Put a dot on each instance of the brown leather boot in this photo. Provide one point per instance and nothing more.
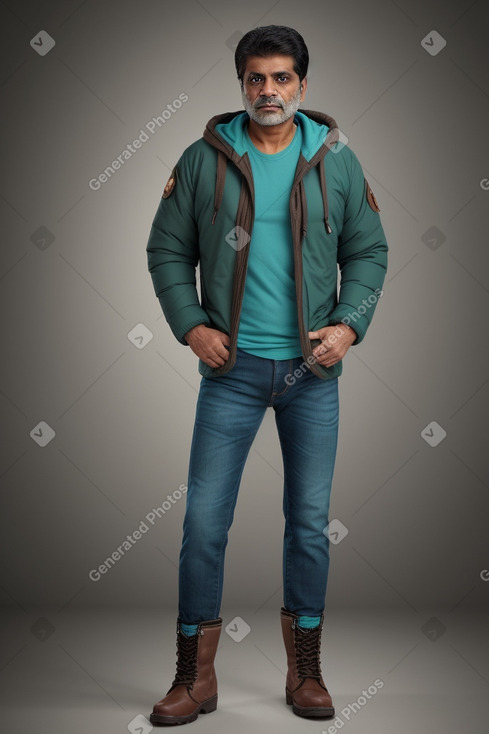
(304, 689)
(194, 689)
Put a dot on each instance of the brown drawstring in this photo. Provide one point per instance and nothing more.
(302, 193)
(220, 179)
(322, 178)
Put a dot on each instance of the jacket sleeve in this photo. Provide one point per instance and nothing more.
(362, 254)
(173, 254)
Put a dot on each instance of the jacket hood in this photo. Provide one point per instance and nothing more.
(227, 132)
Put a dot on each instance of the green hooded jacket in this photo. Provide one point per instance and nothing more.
(205, 219)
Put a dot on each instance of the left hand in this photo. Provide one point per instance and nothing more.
(336, 341)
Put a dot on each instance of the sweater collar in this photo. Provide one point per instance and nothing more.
(226, 132)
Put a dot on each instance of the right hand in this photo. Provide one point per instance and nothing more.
(208, 344)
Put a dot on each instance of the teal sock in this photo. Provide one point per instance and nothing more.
(189, 629)
(308, 622)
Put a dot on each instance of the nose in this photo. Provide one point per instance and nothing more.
(268, 88)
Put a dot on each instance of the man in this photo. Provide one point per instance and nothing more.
(268, 203)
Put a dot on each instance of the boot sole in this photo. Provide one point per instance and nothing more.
(318, 712)
(207, 707)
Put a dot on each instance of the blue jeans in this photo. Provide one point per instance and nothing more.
(230, 409)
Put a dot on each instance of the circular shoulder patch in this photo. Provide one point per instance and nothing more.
(372, 201)
(170, 184)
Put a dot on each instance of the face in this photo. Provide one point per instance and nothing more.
(271, 89)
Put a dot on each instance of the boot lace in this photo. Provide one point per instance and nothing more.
(307, 650)
(186, 660)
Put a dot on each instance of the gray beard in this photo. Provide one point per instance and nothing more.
(261, 117)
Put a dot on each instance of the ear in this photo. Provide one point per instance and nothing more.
(303, 88)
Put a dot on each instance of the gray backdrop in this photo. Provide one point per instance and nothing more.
(88, 355)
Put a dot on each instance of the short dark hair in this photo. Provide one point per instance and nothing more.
(271, 40)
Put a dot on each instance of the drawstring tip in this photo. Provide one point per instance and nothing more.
(328, 228)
